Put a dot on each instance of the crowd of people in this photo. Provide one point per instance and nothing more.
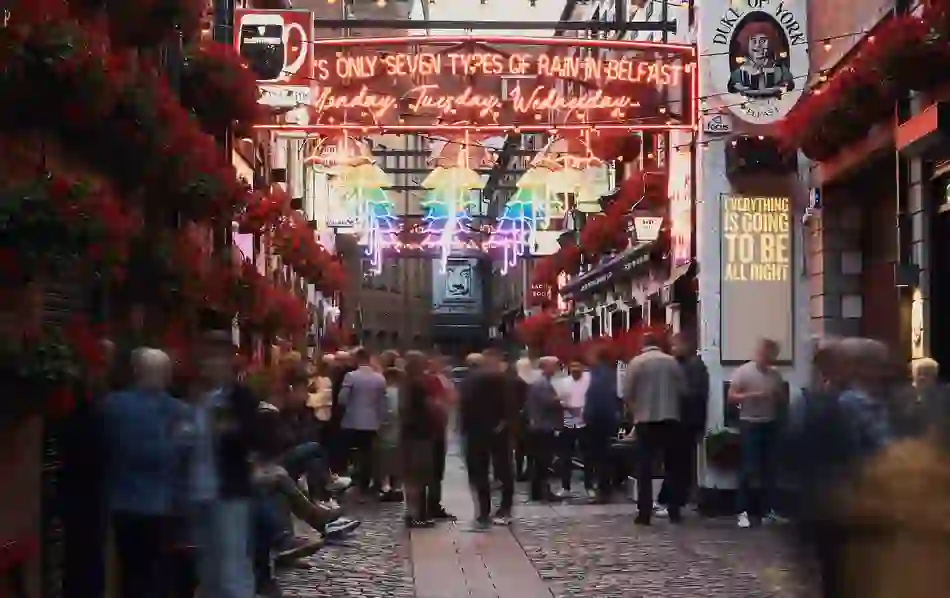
(204, 477)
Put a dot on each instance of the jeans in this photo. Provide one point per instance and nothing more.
(494, 451)
(223, 534)
(597, 460)
(658, 439)
(541, 444)
(272, 525)
(143, 551)
(759, 445)
(685, 448)
(571, 441)
(434, 492)
(362, 444)
(308, 459)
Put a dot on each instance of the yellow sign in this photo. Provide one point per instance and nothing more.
(756, 239)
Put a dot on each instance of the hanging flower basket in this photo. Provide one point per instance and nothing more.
(35, 371)
(56, 224)
(218, 86)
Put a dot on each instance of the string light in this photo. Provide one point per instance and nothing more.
(381, 3)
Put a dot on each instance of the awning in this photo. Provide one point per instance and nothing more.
(925, 132)
(629, 263)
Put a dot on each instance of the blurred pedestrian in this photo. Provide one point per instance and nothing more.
(572, 439)
(692, 414)
(388, 459)
(601, 414)
(363, 399)
(417, 435)
(228, 430)
(653, 386)
(444, 397)
(144, 452)
(486, 410)
(545, 419)
(758, 388)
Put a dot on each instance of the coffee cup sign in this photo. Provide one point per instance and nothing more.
(277, 45)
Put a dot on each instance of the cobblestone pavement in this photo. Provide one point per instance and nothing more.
(576, 549)
(606, 555)
(373, 562)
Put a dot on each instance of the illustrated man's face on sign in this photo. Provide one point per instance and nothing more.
(759, 50)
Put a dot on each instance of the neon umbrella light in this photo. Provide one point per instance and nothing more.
(364, 184)
(450, 206)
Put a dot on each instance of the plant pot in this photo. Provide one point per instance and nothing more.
(723, 450)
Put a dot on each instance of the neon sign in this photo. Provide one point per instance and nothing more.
(497, 84)
(630, 70)
(361, 186)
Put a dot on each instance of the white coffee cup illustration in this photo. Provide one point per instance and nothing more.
(264, 43)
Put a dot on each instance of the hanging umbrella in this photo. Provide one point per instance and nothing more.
(363, 182)
(448, 203)
(575, 158)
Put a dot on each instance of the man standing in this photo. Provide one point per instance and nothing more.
(652, 390)
(757, 388)
(602, 418)
(486, 419)
(692, 415)
(336, 442)
(545, 420)
(363, 398)
(573, 392)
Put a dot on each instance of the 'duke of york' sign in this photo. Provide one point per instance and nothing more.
(756, 56)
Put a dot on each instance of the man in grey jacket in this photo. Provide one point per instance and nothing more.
(652, 392)
(545, 418)
(363, 399)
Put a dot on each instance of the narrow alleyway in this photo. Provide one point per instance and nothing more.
(569, 550)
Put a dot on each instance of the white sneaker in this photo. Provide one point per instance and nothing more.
(561, 494)
(591, 494)
(341, 527)
(743, 520)
(660, 511)
(339, 484)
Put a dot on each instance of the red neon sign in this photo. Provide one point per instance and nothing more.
(494, 84)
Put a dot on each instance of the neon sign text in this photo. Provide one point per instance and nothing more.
(428, 99)
(600, 70)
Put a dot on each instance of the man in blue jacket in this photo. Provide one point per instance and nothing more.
(601, 418)
(144, 454)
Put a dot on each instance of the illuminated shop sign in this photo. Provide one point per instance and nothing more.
(442, 82)
(757, 281)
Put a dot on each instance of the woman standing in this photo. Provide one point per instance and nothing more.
(417, 427)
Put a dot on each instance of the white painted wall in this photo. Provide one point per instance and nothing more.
(711, 183)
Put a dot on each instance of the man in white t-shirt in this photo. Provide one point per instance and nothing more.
(572, 390)
(757, 388)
